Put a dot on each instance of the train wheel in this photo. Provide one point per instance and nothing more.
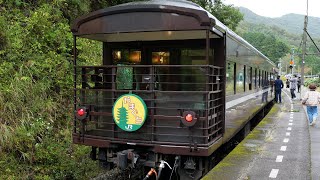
(105, 165)
(190, 170)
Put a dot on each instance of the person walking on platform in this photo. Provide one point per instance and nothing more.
(278, 85)
(299, 84)
(293, 86)
(287, 83)
(311, 100)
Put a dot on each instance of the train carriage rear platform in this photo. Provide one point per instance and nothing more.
(167, 89)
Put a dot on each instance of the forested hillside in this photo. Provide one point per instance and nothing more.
(292, 23)
(287, 30)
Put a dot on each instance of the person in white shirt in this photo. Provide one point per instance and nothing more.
(311, 99)
(293, 86)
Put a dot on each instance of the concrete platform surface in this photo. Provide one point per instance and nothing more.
(282, 146)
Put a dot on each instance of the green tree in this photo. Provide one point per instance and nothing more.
(35, 86)
(269, 45)
(286, 37)
(122, 116)
(116, 2)
(312, 60)
(227, 14)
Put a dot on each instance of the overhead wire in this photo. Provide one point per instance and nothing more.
(312, 40)
(308, 32)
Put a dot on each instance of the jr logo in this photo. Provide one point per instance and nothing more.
(129, 127)
(129, 112)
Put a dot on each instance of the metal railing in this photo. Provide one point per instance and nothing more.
(168, 91)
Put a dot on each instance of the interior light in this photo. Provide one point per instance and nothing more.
(116, 55)
(135, 56)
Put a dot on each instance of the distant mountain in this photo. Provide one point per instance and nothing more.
(293, 23)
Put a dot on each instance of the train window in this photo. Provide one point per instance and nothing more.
(245, 77)
(255, 78)
(126, 56)
(239, 78)
(193, 57)
(193, 77)
(230, 78)
(160, 58)
(269, 76)
(262, 78)
(259, 82)
(116, 55)
(248, 78)
(265, 78)
(125, 76)
(251, 77)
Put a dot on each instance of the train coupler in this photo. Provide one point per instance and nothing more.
(126, 158)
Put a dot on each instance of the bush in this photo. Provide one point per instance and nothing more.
(49, 159)
(36, 91)
(309, 81)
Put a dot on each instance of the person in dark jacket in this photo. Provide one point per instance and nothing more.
(299, 84)
(278, 85)
(288, 83)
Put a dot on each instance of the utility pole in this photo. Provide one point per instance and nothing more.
(304, 44)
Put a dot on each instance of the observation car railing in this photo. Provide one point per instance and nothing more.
(168, 91)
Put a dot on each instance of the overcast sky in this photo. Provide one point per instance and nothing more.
(277, 8)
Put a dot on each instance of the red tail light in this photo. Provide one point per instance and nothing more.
(189, 117)
(81, 112)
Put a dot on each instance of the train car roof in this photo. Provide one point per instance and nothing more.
(188, 10)
(96, 22)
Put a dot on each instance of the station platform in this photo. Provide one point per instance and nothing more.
(281, 146)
